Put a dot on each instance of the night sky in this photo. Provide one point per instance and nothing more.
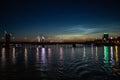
(60, 18)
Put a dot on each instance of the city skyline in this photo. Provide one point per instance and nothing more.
(8, 37)
(60, 19)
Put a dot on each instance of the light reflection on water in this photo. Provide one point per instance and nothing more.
(106, 54)
(96, 51)
(61, 63)
(84, 53)
(112, 56)
(44, 62)
(37, 55)
(116, 55)
(26, 56)
(72, 53)
(61, 53)
(92, 52)
(13, 55)
(3, 58)
(49, 55)
(43, 56)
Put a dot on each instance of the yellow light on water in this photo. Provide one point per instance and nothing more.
(116, 55)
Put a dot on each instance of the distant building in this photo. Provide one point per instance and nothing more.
(42, 38)
(7, 37)
(118, 38)
(105, 37)
(38, 39)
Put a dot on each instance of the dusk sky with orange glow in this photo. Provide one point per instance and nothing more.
(60, 18)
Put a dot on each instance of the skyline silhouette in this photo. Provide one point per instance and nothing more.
(65, 19)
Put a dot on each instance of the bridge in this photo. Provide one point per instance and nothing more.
(8, 42)
(46, 43)
(56, 43)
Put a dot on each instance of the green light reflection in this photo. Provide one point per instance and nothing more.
(106, 56)
(106, 53)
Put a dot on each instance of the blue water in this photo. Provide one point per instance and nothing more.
(60, 63)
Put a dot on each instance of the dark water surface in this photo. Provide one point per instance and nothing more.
(60, 63)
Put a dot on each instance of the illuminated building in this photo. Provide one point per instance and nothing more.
(106, 36)
(38, 38)
(111, 40)
(42, 38)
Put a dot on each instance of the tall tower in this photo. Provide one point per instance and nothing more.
(7, 39)
(105, 37)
